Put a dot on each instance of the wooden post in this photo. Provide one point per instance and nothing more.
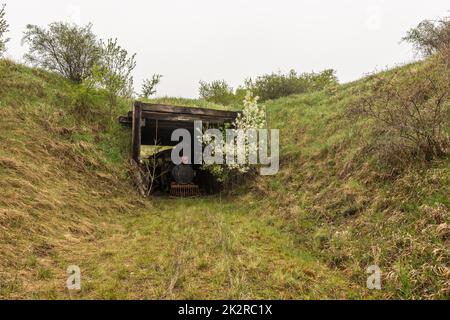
(156, 131)
(136, 131)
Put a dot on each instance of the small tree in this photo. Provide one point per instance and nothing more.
(3, 29)
(149, 86)
(217, 91)
(64, 48)
(430, 36)
(253, 117)
(113, 72)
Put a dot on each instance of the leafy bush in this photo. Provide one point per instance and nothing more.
(430, 36)
(410, 111)
(65, 48)
(3, 29)
(268, 87)
(277, 85)
(113, 72)
(149, 86)
(217, 91)
(88, 103)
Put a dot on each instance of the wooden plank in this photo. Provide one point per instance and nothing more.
(185, 117)
(174, 114)
(136, 133)
(165, 108)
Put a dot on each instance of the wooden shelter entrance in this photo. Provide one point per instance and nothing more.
(156, 122)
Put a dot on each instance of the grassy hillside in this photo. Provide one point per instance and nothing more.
(308, 232)
(61, 176)
(351, 209)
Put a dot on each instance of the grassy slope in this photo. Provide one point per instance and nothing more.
(350, 210)
(65, 200)
(61, 178)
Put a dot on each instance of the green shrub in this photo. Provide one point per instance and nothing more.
(149, 86)
(64, 48)
(268, 87)
(217, 91)
(277, 85)
(3, 29)
(113, 72)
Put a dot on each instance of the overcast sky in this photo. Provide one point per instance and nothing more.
(187, 41)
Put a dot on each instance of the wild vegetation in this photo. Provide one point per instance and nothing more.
(268, 87)
(277, 85)
(218, 92)
(77, 54)
(113, 72)
(430, 37)
(364, 179)
(149, 86)
(410, 109)
(218, 145)
(3, 30)
(351, 207)
(64, 48)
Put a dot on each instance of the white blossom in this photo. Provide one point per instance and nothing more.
(252, 116)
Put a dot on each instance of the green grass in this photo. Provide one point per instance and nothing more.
(308, 232)
(200, 249)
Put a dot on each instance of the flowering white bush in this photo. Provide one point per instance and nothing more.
(252, 117)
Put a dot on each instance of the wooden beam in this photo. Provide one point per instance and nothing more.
(185, 117)
(173, 114)
(136, 133)
(165, 108)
